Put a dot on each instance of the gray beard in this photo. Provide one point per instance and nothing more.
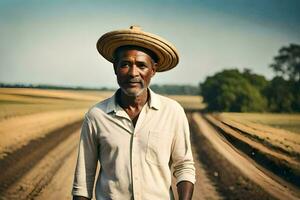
(133, 94)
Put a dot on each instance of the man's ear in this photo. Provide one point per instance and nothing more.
(154, 67)
(115, 68)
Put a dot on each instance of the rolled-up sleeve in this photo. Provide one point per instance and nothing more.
(182, 158)
(86, 161)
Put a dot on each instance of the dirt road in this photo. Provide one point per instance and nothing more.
(44, 168)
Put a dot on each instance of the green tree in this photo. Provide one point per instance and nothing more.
(175, 89)
(258, 81)
(283, 93)
(287, 63)
(280, 95)
(231, 91)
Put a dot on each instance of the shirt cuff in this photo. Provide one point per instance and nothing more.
(186, 177)
(83, 193)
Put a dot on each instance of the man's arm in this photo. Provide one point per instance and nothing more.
(182, 158)
(80, 198)
(185, 190)
(87, 159)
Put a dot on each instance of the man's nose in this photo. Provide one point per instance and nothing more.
(133, 71)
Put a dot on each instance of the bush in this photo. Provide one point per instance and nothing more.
(231, 91)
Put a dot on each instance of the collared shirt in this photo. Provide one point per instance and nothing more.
(135, 162)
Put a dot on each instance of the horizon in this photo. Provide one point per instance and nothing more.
(30, 85)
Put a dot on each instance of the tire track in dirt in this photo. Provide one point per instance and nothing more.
(60, 186)
(235, 176)
(47, 171)
(15, 165)
(39, 178)
(282, 167)
(230, 182)
(204, 188)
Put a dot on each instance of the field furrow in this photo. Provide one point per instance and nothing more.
(280, 164)
(17, 132)
(237, 155)
(30, 169)
(233, 168)
(283, 140)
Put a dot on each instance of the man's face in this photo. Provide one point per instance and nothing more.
(134, 70)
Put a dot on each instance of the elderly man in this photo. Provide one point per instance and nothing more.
(137, 136)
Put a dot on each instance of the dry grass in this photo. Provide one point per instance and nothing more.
(55, 94)
(255, 125)
(17, 132)
(16, 102)
(189, 102)
(289, 122)
(27, 114)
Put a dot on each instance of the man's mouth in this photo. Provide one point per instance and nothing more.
(135, 83)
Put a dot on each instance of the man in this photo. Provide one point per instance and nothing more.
(137, 136)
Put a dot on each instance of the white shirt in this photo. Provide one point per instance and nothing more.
(135, 161)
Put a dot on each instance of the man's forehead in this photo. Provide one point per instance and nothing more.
(133, 54)
(134, 51)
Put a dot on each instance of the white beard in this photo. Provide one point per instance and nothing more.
(133, 92)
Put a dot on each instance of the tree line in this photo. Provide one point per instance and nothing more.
(232, 90)
(52, 87)
(166, 89)
(173, 89)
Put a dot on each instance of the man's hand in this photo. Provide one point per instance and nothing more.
(185, 190)
(80, 198)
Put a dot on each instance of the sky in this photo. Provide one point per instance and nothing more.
(54, 42)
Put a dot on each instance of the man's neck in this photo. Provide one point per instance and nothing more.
(133, 102)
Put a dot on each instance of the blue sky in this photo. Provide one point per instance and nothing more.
(53, 42)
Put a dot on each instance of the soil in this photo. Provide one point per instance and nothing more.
(44, 168)
(18, 164)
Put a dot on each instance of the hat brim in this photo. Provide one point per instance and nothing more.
(167, 54)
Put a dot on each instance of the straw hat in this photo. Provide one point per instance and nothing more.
(167, 54)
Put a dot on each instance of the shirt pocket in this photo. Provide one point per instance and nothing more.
(158, 148)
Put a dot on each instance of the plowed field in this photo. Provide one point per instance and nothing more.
(40, 129)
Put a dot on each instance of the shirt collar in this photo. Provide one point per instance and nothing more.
(112, 106)
(154, 101)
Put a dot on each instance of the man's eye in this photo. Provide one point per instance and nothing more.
(124, 65)
(142, 66)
